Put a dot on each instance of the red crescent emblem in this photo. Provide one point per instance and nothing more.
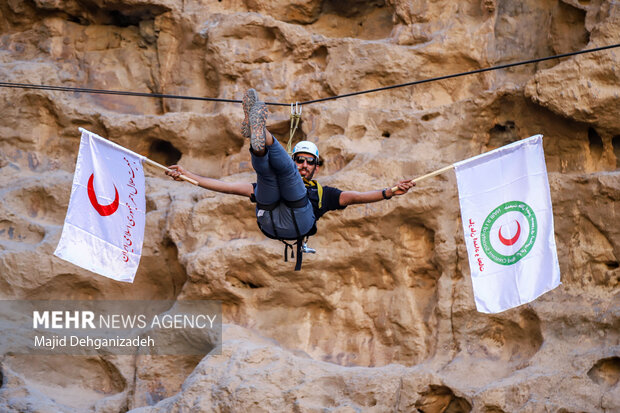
(104, 210)
(512, 240)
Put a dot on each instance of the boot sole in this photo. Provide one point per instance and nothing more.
(258, 117)
(249, 99)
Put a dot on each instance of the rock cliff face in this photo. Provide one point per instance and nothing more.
(383, 317)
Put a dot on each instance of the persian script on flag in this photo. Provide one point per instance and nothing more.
(508, 225)
(104, 227)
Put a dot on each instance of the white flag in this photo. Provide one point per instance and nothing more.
(508, 225)
(104, 227)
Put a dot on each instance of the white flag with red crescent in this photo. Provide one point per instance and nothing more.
(104, 226)
(508, 225)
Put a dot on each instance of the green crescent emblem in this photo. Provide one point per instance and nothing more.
(485, 232)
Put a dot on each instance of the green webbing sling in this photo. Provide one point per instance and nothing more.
(295, 118)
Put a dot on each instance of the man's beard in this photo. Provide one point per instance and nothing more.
(309, 174)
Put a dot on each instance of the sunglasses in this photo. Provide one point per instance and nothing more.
(300, 160)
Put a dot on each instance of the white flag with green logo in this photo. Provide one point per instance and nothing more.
(508, 225)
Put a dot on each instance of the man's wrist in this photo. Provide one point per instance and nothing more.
(385, 193)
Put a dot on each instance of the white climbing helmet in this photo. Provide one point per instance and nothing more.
(306, 147)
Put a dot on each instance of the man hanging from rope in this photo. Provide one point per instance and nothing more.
(288, 201)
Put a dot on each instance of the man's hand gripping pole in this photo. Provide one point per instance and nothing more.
(429, 175)
(185, 178)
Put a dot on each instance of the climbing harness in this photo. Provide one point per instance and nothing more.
(300, 241)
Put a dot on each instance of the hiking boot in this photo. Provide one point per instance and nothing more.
(249, 99)
(258, 118)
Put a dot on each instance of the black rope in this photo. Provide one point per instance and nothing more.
(115, 92)
(417, 82)
(471, 72)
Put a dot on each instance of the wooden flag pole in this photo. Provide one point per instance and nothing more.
(158, 165)
(147, 160)
(428, 175)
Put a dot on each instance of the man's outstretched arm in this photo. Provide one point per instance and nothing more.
(354, 197)
(234, 188)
